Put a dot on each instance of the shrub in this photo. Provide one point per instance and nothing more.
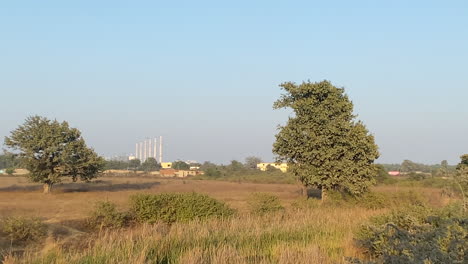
(373, 200)
(262, 203)
(175, 207)
(417, 234)
(105, 215)
(23, 229)
(9, 171)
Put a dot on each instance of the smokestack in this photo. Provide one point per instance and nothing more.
(160, 149)
(154, 150)
(141, 151)
(149, 148)
(136, 151)
(145, 154)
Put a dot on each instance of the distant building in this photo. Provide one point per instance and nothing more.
(178, 173)
(264, 166)
(131, 157)
(394, 173)
(166, 165)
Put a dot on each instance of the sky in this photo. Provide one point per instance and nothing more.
(204, 74)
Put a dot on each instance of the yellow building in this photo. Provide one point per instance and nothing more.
(166, 165)
(264, 166)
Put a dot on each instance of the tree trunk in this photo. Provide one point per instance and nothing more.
(47, 188)
(305, 194)
(324, 194)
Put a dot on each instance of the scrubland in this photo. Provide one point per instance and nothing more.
(297, 231)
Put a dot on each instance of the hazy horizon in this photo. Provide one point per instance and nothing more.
(204, 75)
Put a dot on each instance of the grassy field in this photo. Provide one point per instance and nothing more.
(305, 232)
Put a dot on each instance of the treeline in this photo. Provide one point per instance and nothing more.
(135, 165)
(409, 166)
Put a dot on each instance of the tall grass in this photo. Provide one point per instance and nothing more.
(297, 236)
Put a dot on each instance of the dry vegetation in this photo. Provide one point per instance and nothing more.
(305, 232)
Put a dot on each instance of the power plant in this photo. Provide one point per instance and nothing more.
(148, 149)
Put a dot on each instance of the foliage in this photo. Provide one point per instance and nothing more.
(252, 161)
(8, 161)
(175, 207)
(461, 179)
(134, 164)
(262, 203)
(10, 171)
(324, 145)
(23, 229)
(116, 165)
(417, 235)
(51, 150)
(415, 176)
(150, 164)
(180, 165)
(105, 215)
(382, 174)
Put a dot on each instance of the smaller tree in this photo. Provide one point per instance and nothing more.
(180, 165)
(150, 165)
(134, 164)
(252, 161)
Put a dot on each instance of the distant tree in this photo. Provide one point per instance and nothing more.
(461, 179)
(134, 164)
(213, 172)
(252, 161)
(409, 166)
(180, 165)
(51, 150)
(415, 176)
(270, 168)
(150, 165)
(236, 166)
(8, 161)
(382, 174)
(323, 144)
(116, 165)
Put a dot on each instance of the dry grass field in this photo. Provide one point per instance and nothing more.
(323, 234)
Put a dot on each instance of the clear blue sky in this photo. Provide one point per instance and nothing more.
(204, 74)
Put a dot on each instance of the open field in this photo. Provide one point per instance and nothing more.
(315, 232)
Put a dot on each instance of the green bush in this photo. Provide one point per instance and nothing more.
(9, 171)
(417, 234)
(23, 229)
(373, 200)
(177, 207)
(262, 203)
(105, 215)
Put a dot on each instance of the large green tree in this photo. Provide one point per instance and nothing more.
(323, 144)
(51, 150)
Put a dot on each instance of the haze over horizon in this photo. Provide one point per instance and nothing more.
(204, 75)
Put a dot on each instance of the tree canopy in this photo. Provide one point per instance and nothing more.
(150, 164)
(323, 144)
(252, 161)
(51, 150)
(180, 165)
